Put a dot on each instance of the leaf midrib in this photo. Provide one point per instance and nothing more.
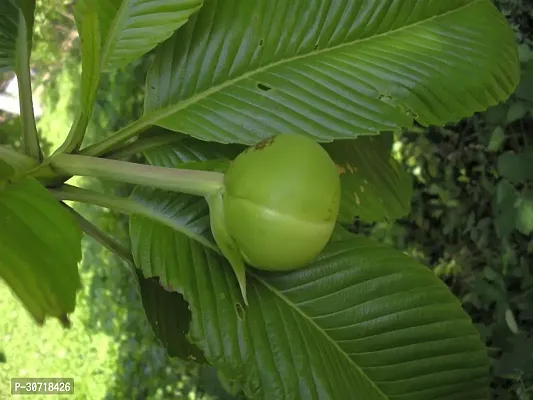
(314, 324)
(162, 113)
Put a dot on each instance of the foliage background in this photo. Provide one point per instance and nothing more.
(471, 222)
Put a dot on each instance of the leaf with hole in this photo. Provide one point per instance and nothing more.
(362, 321)
(169, 316)
(46, 278)
(240, 71)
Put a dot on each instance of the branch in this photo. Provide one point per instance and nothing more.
(144, 144)
(116, 139)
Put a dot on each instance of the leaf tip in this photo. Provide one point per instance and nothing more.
(65, 321)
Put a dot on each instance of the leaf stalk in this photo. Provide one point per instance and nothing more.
(30, 138)
(198, 183)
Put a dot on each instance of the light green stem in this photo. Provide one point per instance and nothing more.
(198, 183)
(106, 241)
(76, 134)
(117, 138)
(30, 137)
(144, 144)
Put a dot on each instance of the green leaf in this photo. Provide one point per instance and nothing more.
(40, 247)
(329, 69)
(191, 150)
(496, 139)
(131, 28)
(363, 321)
(516, 166)
(524, 215)
(517, 111)
(6, 171)
(374, 187)
(169, 316)
(90, 79)
(185, 213)
(10, 20)
(113, 34)
(505, 211)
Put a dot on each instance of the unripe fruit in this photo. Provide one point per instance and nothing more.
(281, 202)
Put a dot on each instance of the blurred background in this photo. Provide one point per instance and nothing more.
(471, 222)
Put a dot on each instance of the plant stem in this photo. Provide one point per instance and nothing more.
(144, 144)
(17, 160)
(126, 206)
(117, 138)
(75, 135)
(106, 241)
(30, 137)
(198, 183)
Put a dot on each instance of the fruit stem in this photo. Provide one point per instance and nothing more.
(198, 183)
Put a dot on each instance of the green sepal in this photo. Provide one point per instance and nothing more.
(225, 242)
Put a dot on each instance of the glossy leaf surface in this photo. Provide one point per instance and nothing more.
(240, 71)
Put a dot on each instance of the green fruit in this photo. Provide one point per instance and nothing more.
(281, 202)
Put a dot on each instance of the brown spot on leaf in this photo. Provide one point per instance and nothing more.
(357, 200)
(346, 168)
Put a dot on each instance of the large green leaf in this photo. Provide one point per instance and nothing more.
(113, 34)
(40, 247)
(131, 28)
(240, 71)
(364, 321)
(374, 185)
